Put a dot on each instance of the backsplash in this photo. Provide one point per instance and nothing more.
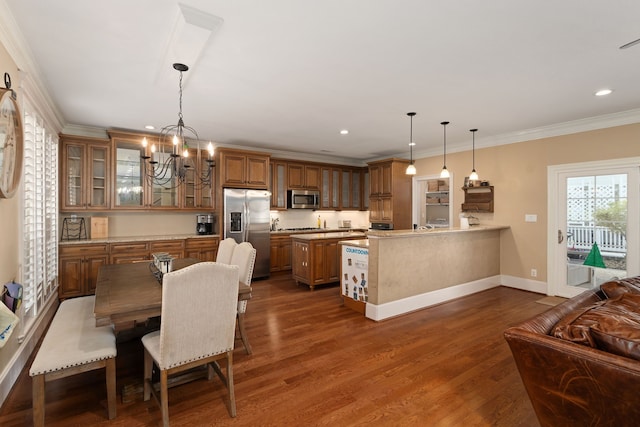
(308, 218)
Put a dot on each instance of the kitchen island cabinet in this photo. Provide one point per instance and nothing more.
(316, 257)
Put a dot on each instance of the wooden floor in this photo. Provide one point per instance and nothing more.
(317, 363)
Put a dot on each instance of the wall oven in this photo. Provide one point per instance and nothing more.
(303, 199)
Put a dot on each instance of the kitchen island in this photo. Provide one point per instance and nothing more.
(413, 269)
(316, 257)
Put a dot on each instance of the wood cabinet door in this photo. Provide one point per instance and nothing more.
(92, 265)
(331, 262)
(386, 179)
(301, 256)
(387, 208)
(295, 175)
(312, 177)
(375, 180)
(257, 171)
(317, 262)
(97, 180)
(285, 255)
(233, 169)
(278, 185)
(71, 277)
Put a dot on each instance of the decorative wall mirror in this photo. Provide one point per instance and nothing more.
(11, 140)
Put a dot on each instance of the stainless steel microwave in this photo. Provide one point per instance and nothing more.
(303, 199)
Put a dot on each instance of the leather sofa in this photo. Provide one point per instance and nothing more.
(580, 360)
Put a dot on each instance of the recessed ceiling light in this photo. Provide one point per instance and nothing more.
(150, 127)
(344, 132)
(603, 92)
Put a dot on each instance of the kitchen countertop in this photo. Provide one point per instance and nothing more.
(362, 243)
(316, 230)
(335, 235)
(136, 239)
(439, 231)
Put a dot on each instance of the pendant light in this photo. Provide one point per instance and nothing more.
(474, 175)
(411, 169)
(444, 173)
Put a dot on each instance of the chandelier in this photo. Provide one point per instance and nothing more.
(173, 162)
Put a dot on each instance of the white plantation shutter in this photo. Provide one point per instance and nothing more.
(40, 198)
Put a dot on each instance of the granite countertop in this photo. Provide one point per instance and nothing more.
(316, 230)
(432, 231)
(335, 235)
(362, 243)
(136, 239)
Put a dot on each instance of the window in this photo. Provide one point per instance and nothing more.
(39, 213)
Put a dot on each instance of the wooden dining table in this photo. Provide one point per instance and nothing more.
(129, 294)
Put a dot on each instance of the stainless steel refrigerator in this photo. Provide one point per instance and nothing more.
(246, 219)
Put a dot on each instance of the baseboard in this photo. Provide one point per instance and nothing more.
(417, 302)
(11, 372)
(524, 284)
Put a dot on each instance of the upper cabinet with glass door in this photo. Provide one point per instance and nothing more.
(130, 187)
(84, 174)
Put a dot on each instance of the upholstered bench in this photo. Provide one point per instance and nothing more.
(72, 345)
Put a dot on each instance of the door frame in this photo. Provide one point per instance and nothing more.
(554, 174)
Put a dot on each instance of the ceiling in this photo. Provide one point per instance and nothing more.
(290, 74)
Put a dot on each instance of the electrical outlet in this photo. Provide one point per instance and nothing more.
(534, 272)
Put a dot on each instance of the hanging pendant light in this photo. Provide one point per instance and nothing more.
(444, 173)
(474, 175)
(411, 169)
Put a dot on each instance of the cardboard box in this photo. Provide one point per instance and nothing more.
(99, 227)
(432, 185)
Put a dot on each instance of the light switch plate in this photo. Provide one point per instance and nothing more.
(531, 218)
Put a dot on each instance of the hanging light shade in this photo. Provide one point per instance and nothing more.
(444, 173)
(411, 169)
(474, 175)
(170, 164)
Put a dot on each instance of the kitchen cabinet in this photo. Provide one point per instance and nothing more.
(84, 174)
(478, 199)
(278, 184)
(175, 248)
(331, 187)
(243, 169)
(316, 257)
(390, 193)
(198, 191)
(203, 248)
(280, 255)
(351, 189)
(78, 268)
(303, 176)
(126, 252)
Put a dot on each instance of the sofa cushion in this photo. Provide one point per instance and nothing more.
(612, 325)
(615, 288)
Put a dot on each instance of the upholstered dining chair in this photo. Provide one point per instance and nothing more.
(199, 308)
(225, 250)
(244, 256)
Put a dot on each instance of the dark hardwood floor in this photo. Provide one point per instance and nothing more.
(316, 362)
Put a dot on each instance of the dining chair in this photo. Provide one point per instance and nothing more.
(199, 308)
(244, 256)
(225, 250)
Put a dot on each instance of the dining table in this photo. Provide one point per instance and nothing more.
(128, 295)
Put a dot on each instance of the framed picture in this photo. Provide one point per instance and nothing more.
(466, 181)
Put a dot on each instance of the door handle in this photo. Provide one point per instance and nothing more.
(560, 237)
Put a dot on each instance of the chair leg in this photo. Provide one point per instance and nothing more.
(111, 387)
(37, 391)
(146, 381)
(230, 387)
(164, 397)
(243, 333)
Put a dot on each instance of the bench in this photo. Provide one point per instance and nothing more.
(72, 345)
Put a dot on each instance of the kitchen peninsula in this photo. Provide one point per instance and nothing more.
(316, 256)
(412, 269)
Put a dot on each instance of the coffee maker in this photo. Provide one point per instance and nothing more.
(205, 223)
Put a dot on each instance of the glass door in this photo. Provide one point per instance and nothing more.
(595, 240)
